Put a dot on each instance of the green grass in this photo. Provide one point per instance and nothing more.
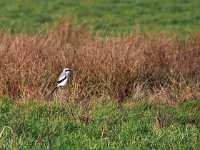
(38, 126)
(107, 16)
(34, 126)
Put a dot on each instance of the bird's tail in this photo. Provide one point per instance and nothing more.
(53, 90)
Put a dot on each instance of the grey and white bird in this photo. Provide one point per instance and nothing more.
(62, 79)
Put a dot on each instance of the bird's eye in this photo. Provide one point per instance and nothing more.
(66, 70)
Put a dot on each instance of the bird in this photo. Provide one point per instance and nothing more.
(62, 79)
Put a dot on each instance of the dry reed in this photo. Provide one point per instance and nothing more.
(164, 68)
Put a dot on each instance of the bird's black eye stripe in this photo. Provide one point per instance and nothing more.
(62, 80)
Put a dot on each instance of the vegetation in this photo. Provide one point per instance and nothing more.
(153, 67)
(43, 126)
(136, 91)
(108, 16)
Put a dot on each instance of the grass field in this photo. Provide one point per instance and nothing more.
(137, 91)
(107, 16)
(43, 126)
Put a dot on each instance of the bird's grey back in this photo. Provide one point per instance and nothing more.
(63, 75)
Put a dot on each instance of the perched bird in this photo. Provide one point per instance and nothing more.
(63, 79)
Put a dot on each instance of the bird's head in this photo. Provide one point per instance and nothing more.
(66, 70)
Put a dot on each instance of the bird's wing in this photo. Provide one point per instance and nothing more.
(59, 81)
(62, 77)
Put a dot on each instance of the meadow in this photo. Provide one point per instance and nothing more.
(42, 126)
(136, 89)
(108, 17)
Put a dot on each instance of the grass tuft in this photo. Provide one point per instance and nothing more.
(154, 66)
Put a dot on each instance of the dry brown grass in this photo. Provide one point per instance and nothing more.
(164, 68)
